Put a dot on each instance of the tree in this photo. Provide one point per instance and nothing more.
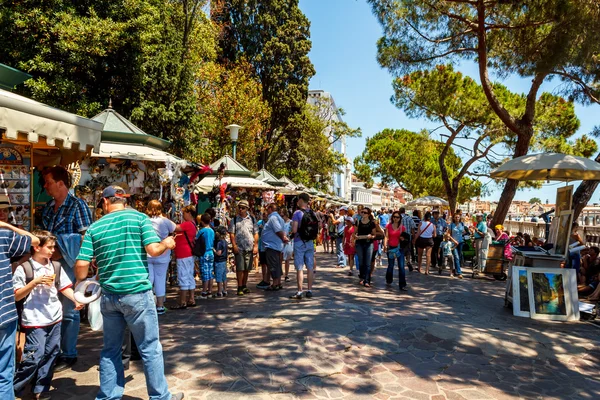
(535, 200)
(225, 96)
(410, 160)
(274, 37)
(536, 39)
(458, 103)
(142, 54)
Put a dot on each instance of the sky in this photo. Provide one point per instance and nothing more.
(344, 34)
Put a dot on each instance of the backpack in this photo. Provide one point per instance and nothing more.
(309, 226)
(28, 268)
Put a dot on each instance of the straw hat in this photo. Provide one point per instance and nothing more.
(4, 202)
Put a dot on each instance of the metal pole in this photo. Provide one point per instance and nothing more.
(234, 150)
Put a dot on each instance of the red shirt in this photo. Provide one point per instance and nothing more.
(394, 235)
(182, 247)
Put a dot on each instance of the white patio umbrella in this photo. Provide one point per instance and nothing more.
(548, 166)
(427, 201)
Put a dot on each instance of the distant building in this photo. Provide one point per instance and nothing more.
(320, 98)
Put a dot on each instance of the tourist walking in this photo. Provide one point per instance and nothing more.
(185, 241)
(304, 229)
(206, 255)
(262, 254)
(416, 217)
(340, 224)
(349, 245)
(410, 228)
(458, 230)
(274, 239)
(424, 242)
(125, 236)
(440, 228)
(243, 233)
(159, 266)
(364, 235)
(220, 252)
(288, 248)
(394, 244)
(66, 217)
(479, 233)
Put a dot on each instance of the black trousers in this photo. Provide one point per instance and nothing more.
(436, 258)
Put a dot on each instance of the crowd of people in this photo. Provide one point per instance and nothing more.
(130, 253)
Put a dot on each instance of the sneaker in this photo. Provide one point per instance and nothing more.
(177, 396)
(263, 285)
(287, 279)
(240, 292)
(224, 293)
(309, 295)
(403, 289)
(161, 310)
(65, 363)
(245, 290)
(203, 296)
(297, 296)
(218, 294)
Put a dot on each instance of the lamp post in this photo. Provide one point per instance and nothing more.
(233, 135)
(317, 179)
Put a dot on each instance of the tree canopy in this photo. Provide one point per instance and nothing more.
(540, 40)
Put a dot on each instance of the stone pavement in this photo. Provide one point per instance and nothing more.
(444, 339)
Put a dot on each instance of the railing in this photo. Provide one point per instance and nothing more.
(591, 233)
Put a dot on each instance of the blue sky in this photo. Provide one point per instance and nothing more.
(344, 35)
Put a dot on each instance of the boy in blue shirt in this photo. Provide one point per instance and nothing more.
(207, 260)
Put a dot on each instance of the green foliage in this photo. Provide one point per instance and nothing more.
(410, 160)
(274, 37)
(535, 200)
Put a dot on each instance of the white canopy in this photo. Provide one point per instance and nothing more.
(20, 114)
(135, 152)
(207, 183)
(428, 201)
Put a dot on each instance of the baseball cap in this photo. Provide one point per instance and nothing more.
(344, 208)
(435, 211)
(112, 191)
(243, 203)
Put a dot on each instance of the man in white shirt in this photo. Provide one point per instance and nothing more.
(339, 239)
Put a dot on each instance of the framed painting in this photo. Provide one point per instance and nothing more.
(520, 291)
(553, 294)
(563, 232)
(564, 199)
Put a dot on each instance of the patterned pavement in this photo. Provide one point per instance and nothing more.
(444, 339)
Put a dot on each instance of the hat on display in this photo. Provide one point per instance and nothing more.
(112, 191)
(4, 202)
(243, 203)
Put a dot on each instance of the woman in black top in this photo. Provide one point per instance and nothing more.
(365, 232)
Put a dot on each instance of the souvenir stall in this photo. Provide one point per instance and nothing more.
(136, 161)
(228, 182)
(537, 286)
(35, 136)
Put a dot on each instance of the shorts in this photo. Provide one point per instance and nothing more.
(185, 273)
(423, 243)
(221, 271)
(274, 263)
(243, 260)
(207, 265)
(304, 254)
(262, 257)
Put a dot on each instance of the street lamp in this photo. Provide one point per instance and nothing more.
(233, 135)
(317, 179)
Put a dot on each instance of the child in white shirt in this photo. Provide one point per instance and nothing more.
(39, 281)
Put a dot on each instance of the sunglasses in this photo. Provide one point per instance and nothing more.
(243, 207)
(396, 216)
(364, 212)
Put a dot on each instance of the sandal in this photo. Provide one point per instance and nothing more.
(367, 285)
(179, 307)
(271, 289)
(191, 304)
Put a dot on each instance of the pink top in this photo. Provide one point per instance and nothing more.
(348, 232)
(394, 235)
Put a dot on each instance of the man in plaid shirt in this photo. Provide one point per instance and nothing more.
(63, 215)
(411, 227)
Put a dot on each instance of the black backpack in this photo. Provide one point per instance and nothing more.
(309, 226)
(28, 268)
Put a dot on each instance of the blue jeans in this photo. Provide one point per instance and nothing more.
(364, 251)
(339, 249)
(8, 340)
(457, 253)
(70, 323)
(575, 260)
(136, 311)
(42, 346)
(393, 254)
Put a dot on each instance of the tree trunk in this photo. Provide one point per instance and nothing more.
(452, 196)
(583, 194)
(510, 188)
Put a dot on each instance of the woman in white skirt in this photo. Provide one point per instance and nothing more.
(288, 249)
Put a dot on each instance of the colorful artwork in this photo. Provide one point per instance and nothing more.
(564, 198)
(561, 245)
(553, 294)
(520, 291)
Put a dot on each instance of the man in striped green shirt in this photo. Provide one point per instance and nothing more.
(119, 241)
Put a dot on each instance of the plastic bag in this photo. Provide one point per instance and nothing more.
(95, 315)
